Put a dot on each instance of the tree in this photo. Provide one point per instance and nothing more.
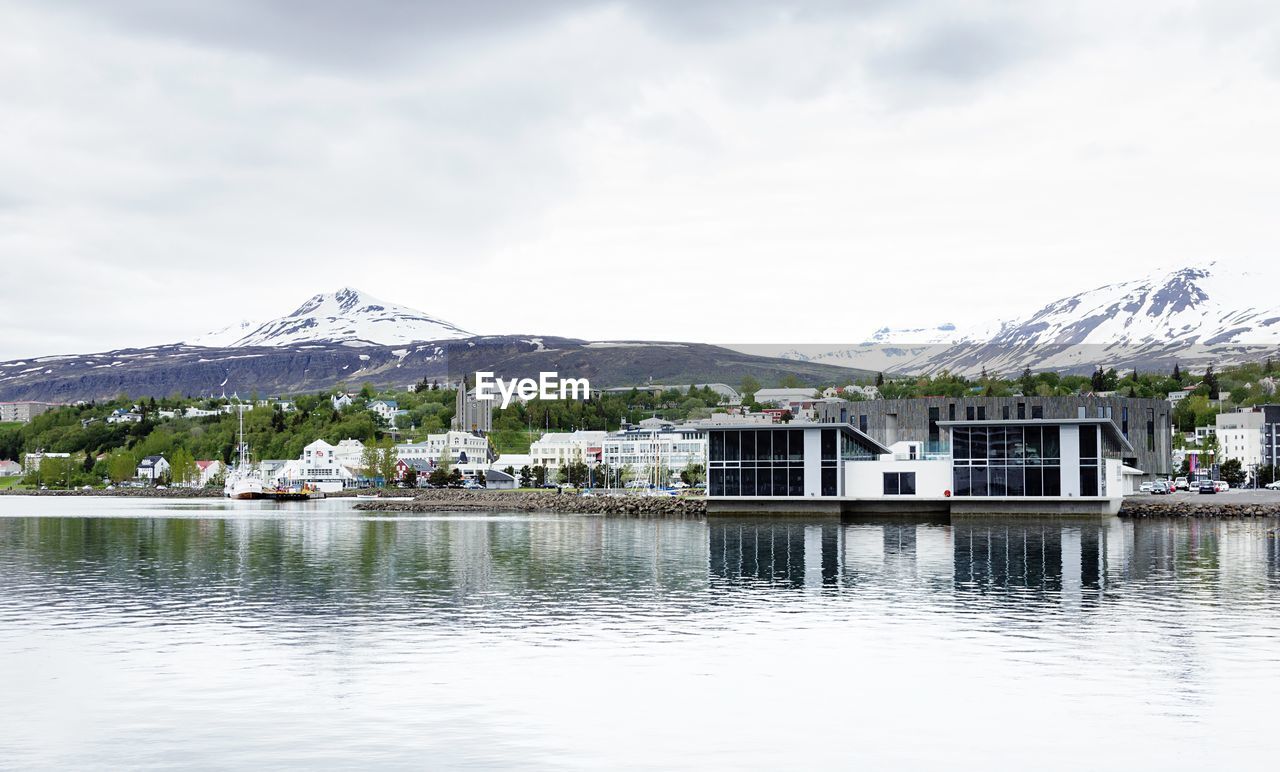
(539, 476)
(387, 460)
(410, 478)
(879, 380)
(1177, 373)
(182, 467)
(526, 477)
(455, 478)
(749, 386)
(1211, 382)
(1231, 471)
(693, 474)
(121, 466)
(438, 478)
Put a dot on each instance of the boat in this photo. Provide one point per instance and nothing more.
(241, 483)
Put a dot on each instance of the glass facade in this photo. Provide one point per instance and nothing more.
(761, 462)
(1006, 461)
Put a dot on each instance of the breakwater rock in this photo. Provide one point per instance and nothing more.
(136, 493)
(1196, 509)
(510, 501)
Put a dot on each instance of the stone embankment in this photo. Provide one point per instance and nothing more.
(1176, 508)
(138, 493)
(515, 501)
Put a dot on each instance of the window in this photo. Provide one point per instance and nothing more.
(933, 425)
(862, 423)
(1037, 411)
(951, 412)
(982, 412)
(899, 483)
(1022, 410)
(1005, 461)
(968, 413)
(1004, 412)
(1151, 430)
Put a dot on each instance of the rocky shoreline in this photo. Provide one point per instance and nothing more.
(1192, 509)
(128, 493)
(502, 501)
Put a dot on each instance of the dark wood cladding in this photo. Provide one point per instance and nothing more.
(911, 418)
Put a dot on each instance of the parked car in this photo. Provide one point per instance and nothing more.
(1273, 486)
(1207, 486)
(1180, 483)
(1146, 487)
(1221, 485)
(1161, 488)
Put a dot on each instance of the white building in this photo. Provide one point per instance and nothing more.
(466, 451)
(195, 412)
(340, 401)
(784, 397)
(122, 416)
(329, 467)
(209, 470)
(386, 409)
(31, 461)
(1240, 437)
(10, 468)
(658, 453)
(556, 449)
(22, 412)
(152, 468)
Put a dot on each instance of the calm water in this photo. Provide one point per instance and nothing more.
(211, 634)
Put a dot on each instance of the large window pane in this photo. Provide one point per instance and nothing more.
(717, 446)
(1088, 442)
(1051, 449)
(978, 445)
(1014, 481)
(748, 480)
(1052, 481)
(731, 446)
(731, 481)
(795, 481)
(1035, 481)
(1015, 445)
(1088, 481)
(995, 441)
(996, 487)
(717, 481)
(828, 444)
(829, 481)
(764, 445)
(795, 445)
(890, 483)
(962, 486)
(978, 481)
(908, 483)
(780, 482)
(960, 443)
(1031, 438)
(764, 482)
(748, 451)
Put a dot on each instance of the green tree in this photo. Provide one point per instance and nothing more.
(1232, 471)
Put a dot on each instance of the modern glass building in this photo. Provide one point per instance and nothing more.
(804, 460)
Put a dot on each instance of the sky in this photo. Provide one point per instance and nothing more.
(716, 171)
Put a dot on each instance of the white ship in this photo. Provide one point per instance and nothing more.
(241, 482)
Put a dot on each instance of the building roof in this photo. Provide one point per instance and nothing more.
(864, 440)
(1107, 425)
(497, 475)
(150, 461)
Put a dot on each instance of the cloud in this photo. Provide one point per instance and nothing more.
(169, 167)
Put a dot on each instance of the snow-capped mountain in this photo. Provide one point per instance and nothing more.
(1191, 315)
(346, 316)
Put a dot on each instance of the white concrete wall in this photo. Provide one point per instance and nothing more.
(812, 462)
(865, 479)
(1069, 437)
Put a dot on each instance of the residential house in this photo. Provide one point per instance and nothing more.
(122, 416)
(10, 468)
(385, 409)
(341, 400)
(153, 468)
(195, 412)
(209, 471)
(497, 480)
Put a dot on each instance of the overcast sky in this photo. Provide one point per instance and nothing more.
(724, 171)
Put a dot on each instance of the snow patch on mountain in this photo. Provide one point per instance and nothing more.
(347, 316)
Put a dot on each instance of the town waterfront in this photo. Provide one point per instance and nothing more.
(155, 633)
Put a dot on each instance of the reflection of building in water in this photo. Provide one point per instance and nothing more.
(798, 554)
(1049, 556)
